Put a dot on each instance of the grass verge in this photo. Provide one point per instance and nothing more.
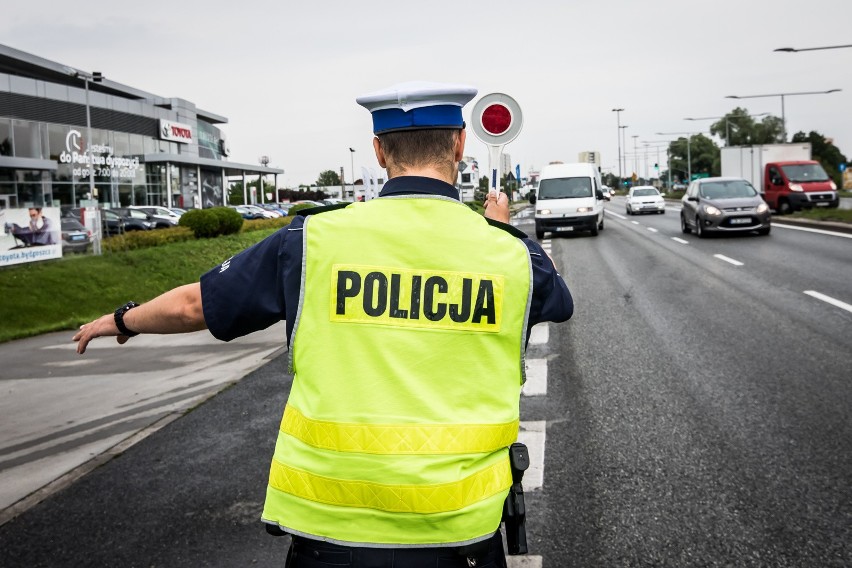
(53, 295)
(821, 214)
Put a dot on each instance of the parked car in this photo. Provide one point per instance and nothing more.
(178, 210)
(644, 199)
(272, 208)
(75, 236)
(264, 214)
(135, 220)
(246, 212)
(723, 204)
(162, 216)
(309, 202)
(111, 223)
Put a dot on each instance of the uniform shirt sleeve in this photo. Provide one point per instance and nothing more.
(245, 293)
(551, 299)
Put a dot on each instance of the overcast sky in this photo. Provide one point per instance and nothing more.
(286, 73)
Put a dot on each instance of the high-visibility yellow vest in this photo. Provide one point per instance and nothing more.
(407, 356)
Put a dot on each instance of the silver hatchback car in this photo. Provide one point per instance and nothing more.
(723, 204)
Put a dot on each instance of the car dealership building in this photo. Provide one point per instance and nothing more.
(67, 135)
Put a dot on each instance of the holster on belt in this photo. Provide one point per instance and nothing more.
(514, 510)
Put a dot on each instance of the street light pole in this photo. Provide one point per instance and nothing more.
(782, 95)
(635, 155)
(727, 124)
(97, 77)
(688, 150)
(264, 161)
(352, 169)
(796, 50)
(618, 112)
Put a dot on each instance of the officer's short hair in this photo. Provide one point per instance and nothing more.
(417, 148)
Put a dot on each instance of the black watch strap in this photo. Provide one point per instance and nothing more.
(119, 319)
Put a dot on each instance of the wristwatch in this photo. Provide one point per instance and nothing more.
(119, 319)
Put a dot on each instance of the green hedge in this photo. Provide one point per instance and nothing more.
(263, 224)
(134, 240)
(208, 223)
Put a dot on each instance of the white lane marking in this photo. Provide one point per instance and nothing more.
(635, 222)
(532, 434)
(536, 384)
(681, 241)
(525, 561)
(540, 334)
(615, 214)
(652, 229)
(809, 230)
(830, 300)
(730, 260)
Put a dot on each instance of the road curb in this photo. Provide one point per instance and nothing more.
(824, 225)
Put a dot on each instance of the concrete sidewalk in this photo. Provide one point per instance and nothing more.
(62, 414)
(188, 494)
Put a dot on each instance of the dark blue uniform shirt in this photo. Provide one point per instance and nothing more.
(260, 286)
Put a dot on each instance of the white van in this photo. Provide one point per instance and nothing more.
(568, 198)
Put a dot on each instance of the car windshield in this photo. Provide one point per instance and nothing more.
(805, 172)
(731, 189)
(69, 224)
(645, 192)
(137, 214)
(565, 188)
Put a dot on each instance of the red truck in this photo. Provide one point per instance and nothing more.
(784, 174)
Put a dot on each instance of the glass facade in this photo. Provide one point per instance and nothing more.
(119, 175)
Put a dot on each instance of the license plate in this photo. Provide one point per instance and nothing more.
(740, 221)
(824, 204)
(77, 238)
(564, 228)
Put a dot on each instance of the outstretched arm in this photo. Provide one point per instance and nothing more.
(176, 311)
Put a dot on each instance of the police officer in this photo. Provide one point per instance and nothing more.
(407, 320)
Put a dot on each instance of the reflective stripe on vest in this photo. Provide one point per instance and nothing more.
(407, 356)
(423, 499)
(399, 438)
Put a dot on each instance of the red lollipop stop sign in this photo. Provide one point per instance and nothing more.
(496, 121)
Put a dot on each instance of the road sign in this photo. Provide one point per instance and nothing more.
(700, 175)
(496, 121)
(842, 167)
(462, 166)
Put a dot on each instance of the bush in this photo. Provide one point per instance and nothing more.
(143, 239)
(230, 221)
(262, 224)
(476, 206)
(298, 207)
(208, 223)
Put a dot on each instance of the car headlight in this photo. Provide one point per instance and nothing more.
(544, 211)
(584, 210)
(710, 210)
(833, 186)
(762, 208)
(796, 187)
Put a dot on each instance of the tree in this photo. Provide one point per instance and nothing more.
(703, 153)
(825, 152)
(327, 178)
(745, 131)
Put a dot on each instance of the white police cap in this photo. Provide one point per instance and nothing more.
(417, 105)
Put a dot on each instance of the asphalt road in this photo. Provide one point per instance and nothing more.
(701, 411)
(695, 414)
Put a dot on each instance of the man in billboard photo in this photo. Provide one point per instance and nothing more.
(39, 231)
